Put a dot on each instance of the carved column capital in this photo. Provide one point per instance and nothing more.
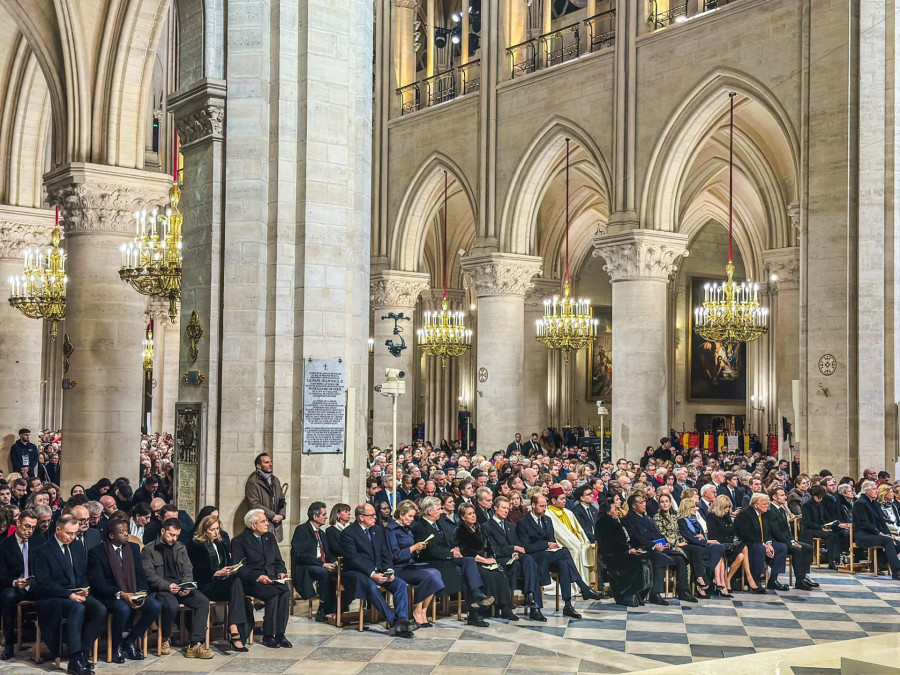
(406, 4)
(22, 228)
(393, 288)
(98, 198)
(541, 289)
(783, 267)
(501, 273)
(199, 111)
(641, 254)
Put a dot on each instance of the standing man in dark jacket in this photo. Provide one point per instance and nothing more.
(313, 562)
(23, 455)
(869, 528)
(116, 575)
(263, 574)
(263, 491)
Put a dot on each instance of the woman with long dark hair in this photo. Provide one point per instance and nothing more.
(628, 569)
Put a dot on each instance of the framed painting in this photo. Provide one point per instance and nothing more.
(715, 373)
(599, 358)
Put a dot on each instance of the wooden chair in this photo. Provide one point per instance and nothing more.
(109, 655)
(182, 610)
(135, 540)
(872, 554)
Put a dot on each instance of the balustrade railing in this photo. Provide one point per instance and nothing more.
(440, 88)
(678, 11)
(522, 58)
(561, 45)
(601, 30)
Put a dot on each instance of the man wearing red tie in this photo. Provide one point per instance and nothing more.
(314, 565)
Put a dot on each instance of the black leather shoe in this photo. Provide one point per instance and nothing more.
(570, 612)
(529, 600)
(814, 584)
(684, 596)
(590, 594)
(803, 585)
(131, 651)
(759, 590)
(508, 615)
(118, 655)
(640, 600)
(777, 586)
(7, 653)
(269, 641)
(535, 614)
(896, 576)
(320, 615)
(474, 620)
(86, 662)
(832, 566)
(283, 642)
(656, 599)
(75, 668)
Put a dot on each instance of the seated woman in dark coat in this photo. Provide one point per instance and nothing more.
(215, 577)
(472, 542)
(629, 571)
(338, 519)
(720, 530)
(424, 579)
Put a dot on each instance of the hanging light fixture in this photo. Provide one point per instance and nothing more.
(152, 262)
(731, 313)
(568, 324)
(40, 293)
(445, 334)
(147, 349)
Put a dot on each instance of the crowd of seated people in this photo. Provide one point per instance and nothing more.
(497, 531)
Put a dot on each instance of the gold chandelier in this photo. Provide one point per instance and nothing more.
(40, 293)
(147, 350)
(445, 334)
(152, 262)
(731, 313)
(568, 324)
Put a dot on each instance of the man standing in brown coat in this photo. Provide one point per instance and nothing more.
(263, 491)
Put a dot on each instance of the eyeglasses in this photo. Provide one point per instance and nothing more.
(83, 521)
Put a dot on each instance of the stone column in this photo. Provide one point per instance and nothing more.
(639, 264)
(500, 281)
(20, 337)
(783, 271)
(535, 373)
(165, 365)
(104, 316)
(394, 292)
(404, 16)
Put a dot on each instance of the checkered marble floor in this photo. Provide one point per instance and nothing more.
(609, 639)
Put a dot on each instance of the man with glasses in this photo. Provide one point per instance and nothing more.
(869, 528)
(15, 573)
(367, 562)
(87, 537)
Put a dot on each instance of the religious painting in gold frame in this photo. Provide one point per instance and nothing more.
(599, 359)
(713, 375)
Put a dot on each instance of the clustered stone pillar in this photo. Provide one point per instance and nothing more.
(165, 365)
(640, 264)
(20, 336)
(101, 420)
(394, 292)
(783, 269)
(500, 281)
(535, 368)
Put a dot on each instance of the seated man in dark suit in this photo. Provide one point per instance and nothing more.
(801, 553)
(313, 561)
(262, 570)
(643, 532)
(508, 549)
(869, 528)
(61, 590)
(167, 566)
(752, 528)
(535, 532)
(484, 505)
(755, 486)
(815, 523)
(585, 511)
(87, 536)
(367, 559)
(446, 558)
(116, 575)
(16, 555)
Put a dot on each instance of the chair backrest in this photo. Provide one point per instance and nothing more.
(135, 540)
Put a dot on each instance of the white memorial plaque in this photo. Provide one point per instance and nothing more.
(324, 406)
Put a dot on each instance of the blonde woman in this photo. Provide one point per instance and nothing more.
(711, 553)
(720, 528)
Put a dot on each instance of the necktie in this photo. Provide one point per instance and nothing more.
(25, 557)
(69, 558)
(119, 553)
(321, 548)
(762, 533)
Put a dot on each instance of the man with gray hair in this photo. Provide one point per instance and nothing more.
(264, 574)
(707, 497)
(869, 527)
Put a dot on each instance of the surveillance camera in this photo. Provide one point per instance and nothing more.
(602, 403)
(394, 374)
